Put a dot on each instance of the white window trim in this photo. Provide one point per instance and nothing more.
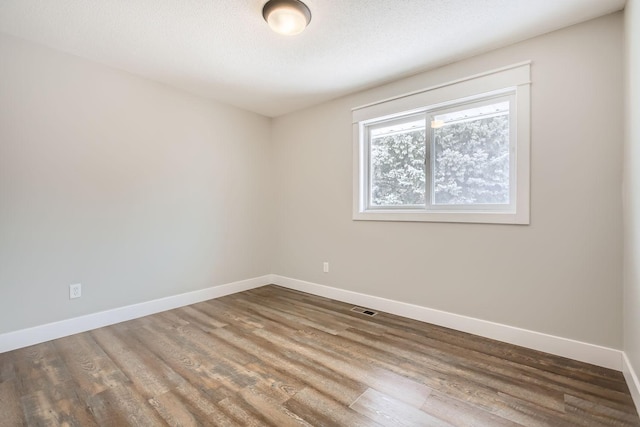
(515, 77)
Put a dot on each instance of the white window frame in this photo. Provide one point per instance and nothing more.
(513, 83)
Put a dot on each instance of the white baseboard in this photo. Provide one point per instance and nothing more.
(577, 350)
(632, 380)
(38, 334)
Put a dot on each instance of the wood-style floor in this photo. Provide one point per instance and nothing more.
(276, 357)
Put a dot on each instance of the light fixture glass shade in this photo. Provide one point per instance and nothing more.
(288, 17)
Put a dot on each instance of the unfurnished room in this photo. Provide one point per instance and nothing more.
(319, 213)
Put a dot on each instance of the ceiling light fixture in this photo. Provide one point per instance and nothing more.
(288, 17)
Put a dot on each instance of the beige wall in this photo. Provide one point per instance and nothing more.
(561, 275)
(134, 189)
(631, 188)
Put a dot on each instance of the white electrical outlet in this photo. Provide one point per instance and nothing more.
(325, 267)
(75, 291)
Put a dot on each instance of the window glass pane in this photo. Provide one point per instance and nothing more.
(397, 170)
(471, 156)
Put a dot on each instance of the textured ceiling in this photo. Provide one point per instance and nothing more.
(223, 50)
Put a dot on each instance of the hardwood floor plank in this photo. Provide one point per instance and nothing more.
(474, 392)
(464, 371)
(290, 315)
(204, 404)
(222, 310)
(281, 299)
(320, 410)
(527, 414)
(11, 414)
(40, 367)
(210, 312)
(523, 373)
(177, 412)
(45, 388)
(181, 360)
(207, 345)
(88, 364)
(198, 318)
(149, 375)
(278, 384)
(270, 409)
(392, 412)
(604, 415)
(462, 414)
(243, 413)
(293, 364)
(543, 361)
(122, 406)
(7, 367)
(45, 408)
(349, 366)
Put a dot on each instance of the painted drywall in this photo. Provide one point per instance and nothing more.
(560, 275)
(631, 186)
(132, 188)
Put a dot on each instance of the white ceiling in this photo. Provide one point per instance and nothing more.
(223, 49)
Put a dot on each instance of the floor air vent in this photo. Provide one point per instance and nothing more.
(364, 311)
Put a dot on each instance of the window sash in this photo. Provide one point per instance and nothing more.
(368, 184)
(431, 158)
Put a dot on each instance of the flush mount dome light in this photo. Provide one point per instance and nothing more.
(288, 17)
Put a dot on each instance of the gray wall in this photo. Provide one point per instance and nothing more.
(632, 188)
(134, 189)
(560, 275)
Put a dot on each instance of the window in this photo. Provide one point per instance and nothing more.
(438, 156)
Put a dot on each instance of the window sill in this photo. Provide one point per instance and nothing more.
(462, 217)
